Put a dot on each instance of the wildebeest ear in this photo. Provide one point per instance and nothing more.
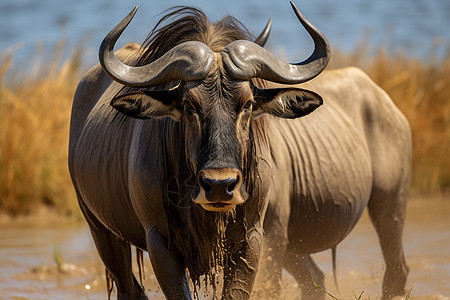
(148, 104)
(288, 103)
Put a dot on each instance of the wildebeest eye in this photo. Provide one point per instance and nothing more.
(189, 107)
(247, 106)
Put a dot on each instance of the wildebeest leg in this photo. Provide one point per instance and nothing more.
(167, 266)
(116, 256)
(240, 272)
(306, 272)
(268, 279)
(388, 216)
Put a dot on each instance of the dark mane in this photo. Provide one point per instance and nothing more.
(191, 24)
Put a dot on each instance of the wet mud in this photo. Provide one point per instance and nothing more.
(59, 261)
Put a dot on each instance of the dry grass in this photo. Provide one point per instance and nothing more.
(35, 112)
(34, 120)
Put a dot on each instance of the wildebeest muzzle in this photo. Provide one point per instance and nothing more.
(220, 189)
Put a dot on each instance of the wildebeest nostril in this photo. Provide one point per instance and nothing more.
(218, 186)
(231, 186)
(205, 185)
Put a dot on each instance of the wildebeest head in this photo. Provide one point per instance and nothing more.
(216, 101)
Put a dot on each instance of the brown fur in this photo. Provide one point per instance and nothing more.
(191, 24)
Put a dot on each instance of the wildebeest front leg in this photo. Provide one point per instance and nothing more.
(239, 274)
(268, 279)
(116, 256)
(168, 267)
(308, 275)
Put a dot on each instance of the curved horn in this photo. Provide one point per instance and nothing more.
(187, 61)
(262, 38)
(246, 60)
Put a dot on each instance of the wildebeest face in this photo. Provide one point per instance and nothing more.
(216, 101)
(216, 115)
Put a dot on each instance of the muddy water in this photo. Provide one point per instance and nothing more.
(29, 256)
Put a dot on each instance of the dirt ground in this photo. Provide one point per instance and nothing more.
(45, 256)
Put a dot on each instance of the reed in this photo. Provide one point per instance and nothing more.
(35, 108)
(35, 105)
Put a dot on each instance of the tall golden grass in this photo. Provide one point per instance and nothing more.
(35, 106)
(35, 114)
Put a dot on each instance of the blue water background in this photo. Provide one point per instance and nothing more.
(410, 26)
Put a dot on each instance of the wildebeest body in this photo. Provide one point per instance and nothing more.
(313, 175)
(353, 152)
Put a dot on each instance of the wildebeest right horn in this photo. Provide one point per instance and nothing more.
(262, 38)
(187, 61)
(246, 60)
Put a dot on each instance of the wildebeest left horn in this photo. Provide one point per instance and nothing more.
(246, 60)
(187, 61)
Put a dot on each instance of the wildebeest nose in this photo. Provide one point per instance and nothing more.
(218, 187)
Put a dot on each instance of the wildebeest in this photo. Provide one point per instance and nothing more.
(196, 148)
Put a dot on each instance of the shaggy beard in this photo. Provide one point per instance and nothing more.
(209, 237)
